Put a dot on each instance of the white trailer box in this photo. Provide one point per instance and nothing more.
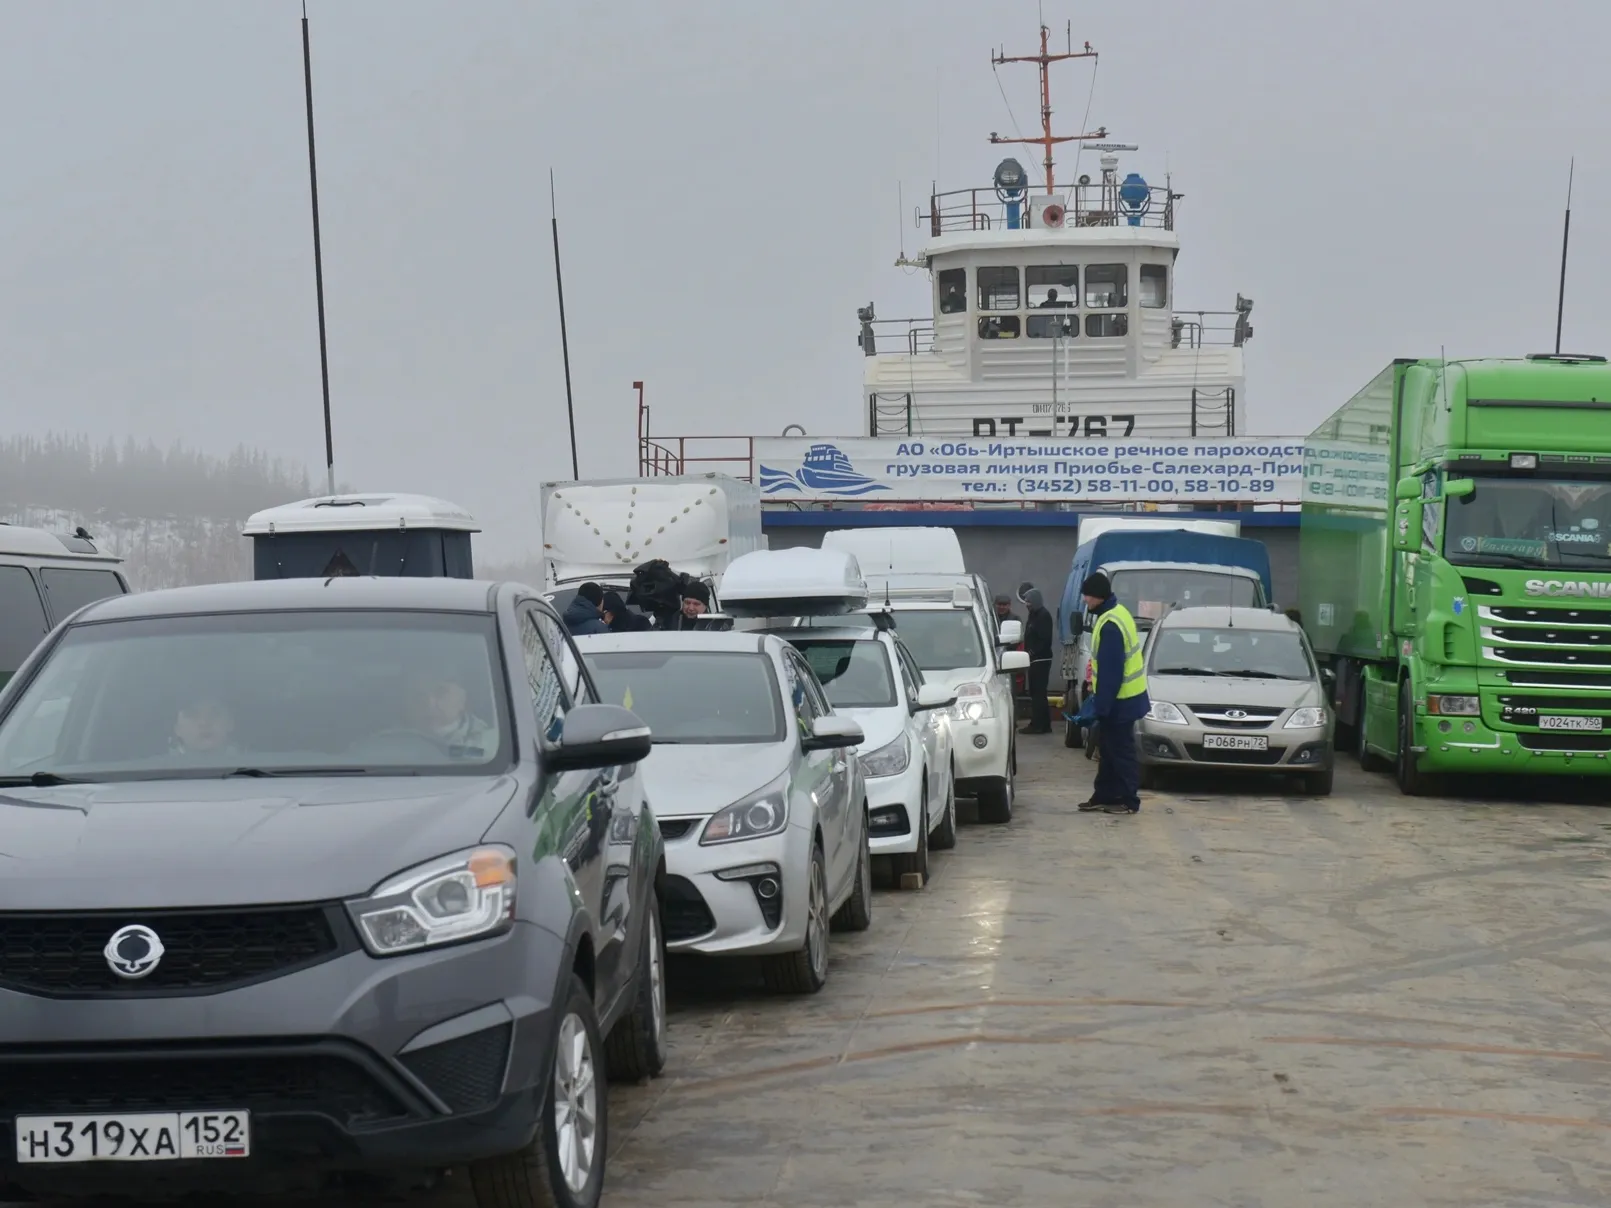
(603, 528)
(1092, 527)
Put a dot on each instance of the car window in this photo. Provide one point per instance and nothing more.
(22, 619)
(357, 691)
(941, 639)
(1152, 591)
(694, 696)
(910, 671)
(854, 674)
(1240, 653)
(69, 589)
(570, 667)
(542, 676)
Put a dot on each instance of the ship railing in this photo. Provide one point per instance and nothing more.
(911, 336)
(662, 456)
(1089, 205)
(1210, 328)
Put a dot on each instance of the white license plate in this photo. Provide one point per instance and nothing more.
(134, 1137)
(1236, 742)
(1595, 724)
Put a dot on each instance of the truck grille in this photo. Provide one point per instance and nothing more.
(1546, 616)
(1595, 638)
(62, 954)
(1550, 656)
(1563, 740)
(1236, 717)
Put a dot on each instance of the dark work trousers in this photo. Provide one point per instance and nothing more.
(1040, 714)
(1118, 774)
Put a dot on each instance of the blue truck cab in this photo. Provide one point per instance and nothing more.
(1153, 571)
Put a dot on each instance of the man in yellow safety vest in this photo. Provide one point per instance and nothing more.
(1118, 698)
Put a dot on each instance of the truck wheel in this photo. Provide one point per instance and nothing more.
(1369, 761)
(1412, 782)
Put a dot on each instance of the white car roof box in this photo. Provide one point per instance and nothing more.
(797, 582)
(884, 552)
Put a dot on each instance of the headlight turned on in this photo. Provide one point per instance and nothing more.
(765, 813)
(1163, 711)
(469, 895)
(973, 703)
(1308, 718)
(889, 760)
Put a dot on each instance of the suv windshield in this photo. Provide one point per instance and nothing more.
(286, 693)
(1527, 522)
(1148, 593)
(940, 639)
(1247, 653)
(694, 696)
(855, 674)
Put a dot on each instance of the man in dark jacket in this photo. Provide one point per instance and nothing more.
(582, 615)
(619, 618)
(1118, 698)
(1038, 627)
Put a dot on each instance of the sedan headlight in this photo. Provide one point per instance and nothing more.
(889, 760)
(1309, 717)
(758, 815)
(469, 895)
(973, 703)
(1163, 711)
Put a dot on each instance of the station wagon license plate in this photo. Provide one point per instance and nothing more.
(1593, 724)
(1236, 742)
(133, 1137)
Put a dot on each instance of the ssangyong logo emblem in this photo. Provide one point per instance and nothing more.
(1569, 587)
(133, 952)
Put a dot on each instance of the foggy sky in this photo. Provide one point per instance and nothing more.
(1383, 178)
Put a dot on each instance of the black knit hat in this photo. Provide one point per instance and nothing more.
(592, 593)
(1096, 584)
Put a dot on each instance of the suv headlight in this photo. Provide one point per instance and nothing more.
(889, 760)
(468, 895)
(1309, 717)
(1163, 711)
(973, 703)
(758, 815)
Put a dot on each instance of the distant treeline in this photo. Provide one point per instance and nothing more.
(105, 479)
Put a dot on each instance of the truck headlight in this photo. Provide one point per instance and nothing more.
(1309, 717)
(469, 895)
(1163, 711)
(1453, 706)
(755, 817)
(889, 760)
(973, 703)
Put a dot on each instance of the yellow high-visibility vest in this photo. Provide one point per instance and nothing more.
(1134, 681)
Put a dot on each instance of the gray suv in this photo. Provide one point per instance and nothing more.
(311, 881)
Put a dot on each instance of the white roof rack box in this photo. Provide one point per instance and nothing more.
(900, 551)
(351, 513)
(793, 583)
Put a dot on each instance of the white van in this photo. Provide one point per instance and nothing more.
(44, 579)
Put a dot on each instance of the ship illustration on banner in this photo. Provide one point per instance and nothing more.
(824, 470)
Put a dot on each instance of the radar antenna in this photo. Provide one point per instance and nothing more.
(1045, 59)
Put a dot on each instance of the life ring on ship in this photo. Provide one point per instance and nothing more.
(1052, 216)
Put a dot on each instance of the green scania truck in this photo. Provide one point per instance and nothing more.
(1455, 567)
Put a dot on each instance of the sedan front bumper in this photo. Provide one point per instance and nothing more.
(1165, 745)
(716, 897)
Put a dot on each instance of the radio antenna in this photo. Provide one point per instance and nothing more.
(1044, 60)
(1566, 235)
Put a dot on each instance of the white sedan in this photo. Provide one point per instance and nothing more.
(758, 796)
(870, 677)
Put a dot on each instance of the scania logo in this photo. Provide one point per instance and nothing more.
(133, 952)
(1569, 587)
(1236, 714)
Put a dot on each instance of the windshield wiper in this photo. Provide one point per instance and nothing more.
(1187, 671)
(314, 771)
(42, 780)
(1256, 675)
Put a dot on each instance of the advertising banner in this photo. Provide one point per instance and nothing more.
(1244, 469)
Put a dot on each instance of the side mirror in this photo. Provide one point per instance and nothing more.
(598, 736)
(934, 696)
(1407, 526)
(1076, 624)
(1459, 488)
(1328, 676)
(1409, 487)
(1012, 632)
(1015, 660)
(833, 734)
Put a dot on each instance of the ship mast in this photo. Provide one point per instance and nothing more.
(1045, 59)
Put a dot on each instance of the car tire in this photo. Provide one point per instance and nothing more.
(1149, 776)
(1318, 784)
(635, 1049)
(805, 971)
(907, 862)
(857, 912)
(536, 1177)
(1412, 782)
(945, 834)
(996, 796)
(1073, 738)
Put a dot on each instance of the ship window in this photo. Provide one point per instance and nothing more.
(1107, 325)
(1052, 286)
(953, 283)
(1049, 327)
(998, 288)
(1106, 286)
(1154, 286)
(998, 327)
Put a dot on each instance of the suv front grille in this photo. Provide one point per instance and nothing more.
(204, 951)
(257, 1079)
